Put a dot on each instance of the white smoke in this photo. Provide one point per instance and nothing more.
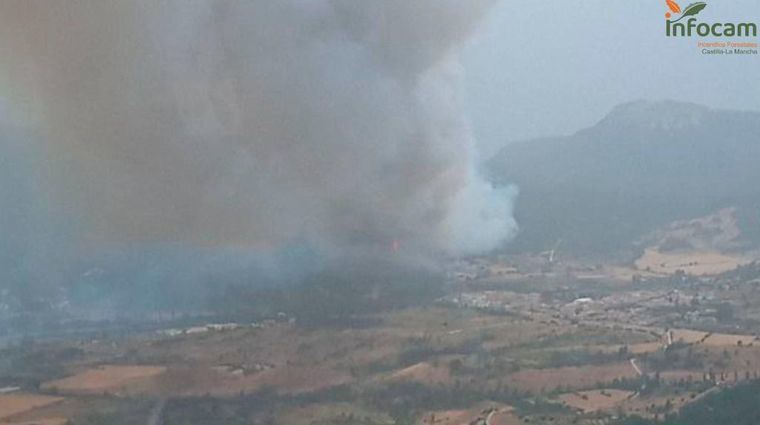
(257, 123)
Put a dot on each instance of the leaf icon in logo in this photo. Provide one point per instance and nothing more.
(673, 6)
(694, 8)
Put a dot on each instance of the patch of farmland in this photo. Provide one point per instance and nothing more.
(13, 404)
(102, 379)
(596, 400)
(697, 263)
(537, 380)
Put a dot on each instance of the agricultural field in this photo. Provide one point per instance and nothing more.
(565, 354)
(14, 404)
(697, 263)
(596, 400)
(107, 379)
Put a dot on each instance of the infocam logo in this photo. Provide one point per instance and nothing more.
(676, 26)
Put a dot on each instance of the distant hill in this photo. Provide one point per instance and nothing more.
(641, 167)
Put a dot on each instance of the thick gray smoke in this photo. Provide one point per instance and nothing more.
(219, 124)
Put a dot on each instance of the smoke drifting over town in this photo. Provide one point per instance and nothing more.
(244, 127)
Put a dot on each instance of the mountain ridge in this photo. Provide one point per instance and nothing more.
(641, 166)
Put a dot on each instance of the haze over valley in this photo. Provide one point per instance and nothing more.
(361, 213)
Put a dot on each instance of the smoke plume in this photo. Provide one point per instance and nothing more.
(252, 125)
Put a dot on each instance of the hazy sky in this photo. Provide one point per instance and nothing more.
(546, 68)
